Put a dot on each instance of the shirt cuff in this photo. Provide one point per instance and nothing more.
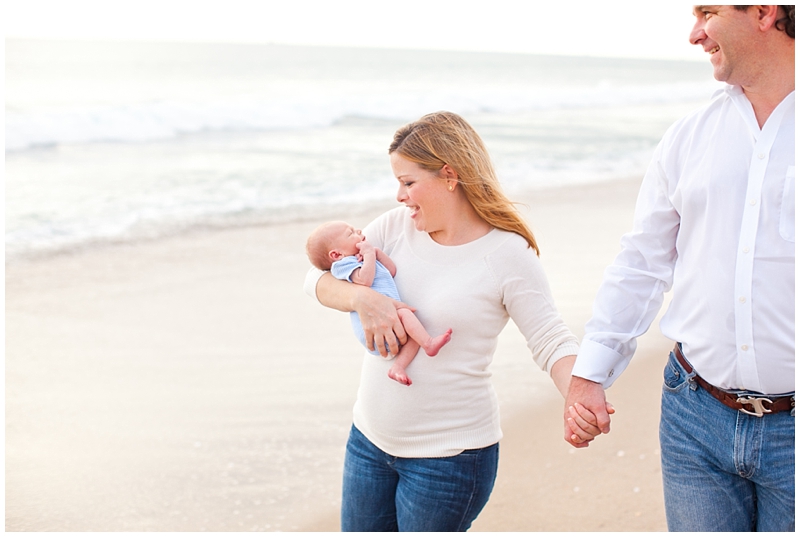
(598, 363)
(310, 285)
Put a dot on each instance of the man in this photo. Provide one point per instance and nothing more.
(715, 221)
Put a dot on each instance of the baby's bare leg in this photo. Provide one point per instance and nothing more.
(417, 332)
(401, 361)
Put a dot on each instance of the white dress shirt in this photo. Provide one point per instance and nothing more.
(714, 221)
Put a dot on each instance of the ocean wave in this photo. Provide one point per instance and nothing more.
(123, 221)
(166, 119)
(147, 223)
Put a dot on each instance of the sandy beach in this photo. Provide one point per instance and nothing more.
(188, 384)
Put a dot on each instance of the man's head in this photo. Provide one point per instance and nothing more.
(744, 41)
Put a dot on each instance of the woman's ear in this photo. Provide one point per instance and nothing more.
(448, 173)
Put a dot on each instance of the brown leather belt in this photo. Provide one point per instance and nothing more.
(760, 405)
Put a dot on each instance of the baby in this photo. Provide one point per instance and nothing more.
(344, 250)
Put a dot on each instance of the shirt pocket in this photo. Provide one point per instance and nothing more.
(787, 206)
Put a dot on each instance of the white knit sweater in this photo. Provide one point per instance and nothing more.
(472, 288)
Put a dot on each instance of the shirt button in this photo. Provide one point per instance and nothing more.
(742, 299)
(752, 202)
(761, 155)
(746, 250)
(745, 347)
(610, 373)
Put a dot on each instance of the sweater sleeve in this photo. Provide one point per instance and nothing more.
(526, 296)
(312, 278)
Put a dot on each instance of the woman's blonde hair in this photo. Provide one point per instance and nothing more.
(445, 138)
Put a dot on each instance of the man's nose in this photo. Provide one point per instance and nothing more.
(698, 33)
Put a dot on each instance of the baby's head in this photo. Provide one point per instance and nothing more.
(331, 242)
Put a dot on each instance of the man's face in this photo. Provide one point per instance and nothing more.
(725, 33)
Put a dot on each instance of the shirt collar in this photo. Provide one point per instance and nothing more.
(733, 90)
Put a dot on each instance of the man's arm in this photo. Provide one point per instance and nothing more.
(628, 300)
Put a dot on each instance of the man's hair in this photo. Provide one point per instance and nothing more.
(785, 24)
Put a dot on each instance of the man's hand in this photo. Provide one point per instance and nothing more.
(586, 412)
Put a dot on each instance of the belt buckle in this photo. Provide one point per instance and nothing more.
(757, 403)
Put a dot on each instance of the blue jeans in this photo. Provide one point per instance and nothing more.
(723, 470)
(386, 493)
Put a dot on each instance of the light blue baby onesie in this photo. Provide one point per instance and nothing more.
(383, 283)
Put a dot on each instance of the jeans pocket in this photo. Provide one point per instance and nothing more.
(675, 377)
(787, 206)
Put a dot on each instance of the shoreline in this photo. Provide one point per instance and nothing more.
(311, 215)
(188, 384)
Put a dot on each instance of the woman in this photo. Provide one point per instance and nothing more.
(424, 457)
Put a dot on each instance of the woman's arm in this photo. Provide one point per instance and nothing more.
(561, 373)
(378, 313)
(527, 298)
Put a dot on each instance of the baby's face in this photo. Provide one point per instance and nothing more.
(346, 239)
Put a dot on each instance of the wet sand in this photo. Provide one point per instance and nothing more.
(188, 384)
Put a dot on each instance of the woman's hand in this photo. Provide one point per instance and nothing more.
(581, 424)
(378, 313)
(382, 326)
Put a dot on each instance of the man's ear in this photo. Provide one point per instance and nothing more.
(767, 15)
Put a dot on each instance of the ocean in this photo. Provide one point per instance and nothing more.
(124, 141)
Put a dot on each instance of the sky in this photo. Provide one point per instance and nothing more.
(641, 30)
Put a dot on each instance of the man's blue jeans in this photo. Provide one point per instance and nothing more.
(386, 493)
(723, 470)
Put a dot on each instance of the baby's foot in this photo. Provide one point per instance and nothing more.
(436, 343)
(399, 374)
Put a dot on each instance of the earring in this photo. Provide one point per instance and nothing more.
(450, 188)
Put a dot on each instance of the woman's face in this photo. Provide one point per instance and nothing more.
(422, 191)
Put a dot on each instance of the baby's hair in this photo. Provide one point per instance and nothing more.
(319, 244)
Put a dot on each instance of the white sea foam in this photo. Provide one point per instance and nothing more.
(122, 141)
